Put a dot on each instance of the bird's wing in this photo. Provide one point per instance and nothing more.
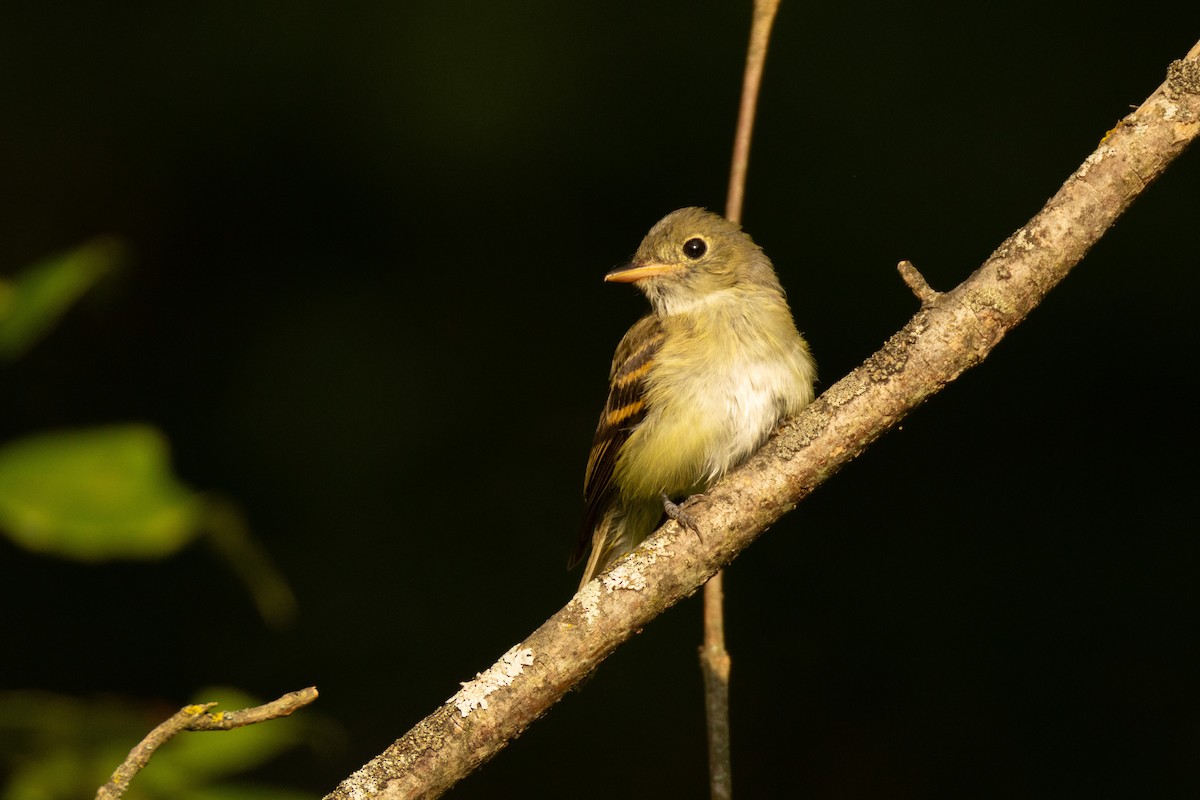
(624, 410)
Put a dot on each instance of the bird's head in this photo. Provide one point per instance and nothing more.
(692, 256)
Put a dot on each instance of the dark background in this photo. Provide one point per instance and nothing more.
(366, 303)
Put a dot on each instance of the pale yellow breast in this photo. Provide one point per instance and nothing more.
(718, 390)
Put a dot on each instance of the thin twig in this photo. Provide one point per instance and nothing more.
(917, 283)
(715, 664)
(197, 717)
(756, 56)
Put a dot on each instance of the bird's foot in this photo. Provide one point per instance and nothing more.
(676, 512)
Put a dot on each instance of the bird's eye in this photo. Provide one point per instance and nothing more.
(695, 248)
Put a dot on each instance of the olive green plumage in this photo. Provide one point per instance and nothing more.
(696, 386)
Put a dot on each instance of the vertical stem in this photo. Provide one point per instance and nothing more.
(715, 664)
(714, 658)
(756, 55)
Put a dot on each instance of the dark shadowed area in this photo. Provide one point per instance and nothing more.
(365, 302)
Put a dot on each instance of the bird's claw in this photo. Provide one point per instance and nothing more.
(676, 512)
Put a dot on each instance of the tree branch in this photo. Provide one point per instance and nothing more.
(198, 718)
(951, 332)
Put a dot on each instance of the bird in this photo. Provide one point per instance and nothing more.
(696, 386)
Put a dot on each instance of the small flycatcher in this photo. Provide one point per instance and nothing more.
(696, 386)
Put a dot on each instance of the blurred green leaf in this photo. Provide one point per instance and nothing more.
(54, 746)
(95, 494)
(243, 791)
(59, 774)
(35, 300)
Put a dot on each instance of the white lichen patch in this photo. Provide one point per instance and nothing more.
(627, 574)
(361, 786)
(589, 598)
(473, 694)
(1098, 155)
(1021, 240)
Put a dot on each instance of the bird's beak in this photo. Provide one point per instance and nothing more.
(628, 273)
